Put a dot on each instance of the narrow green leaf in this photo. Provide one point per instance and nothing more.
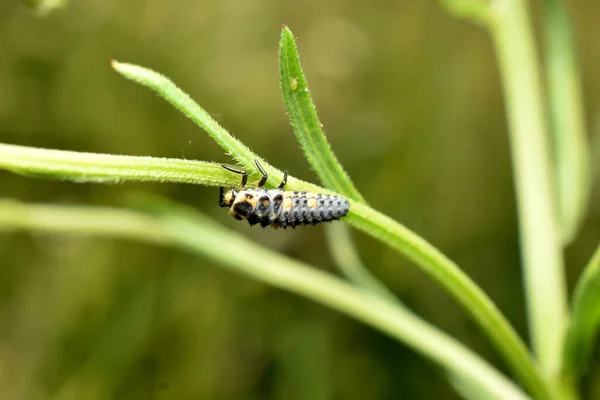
(106, 168)
(540, 236)
(470, 390)
(184, 103)
(585, 320)
(183, 228)
(348, 261)
(305, 121)
(571, 150)
(473, 300)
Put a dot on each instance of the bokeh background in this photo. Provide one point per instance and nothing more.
(411, 101)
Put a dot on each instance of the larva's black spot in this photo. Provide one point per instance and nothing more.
(243, 208)
(266, 222)
(263, 204)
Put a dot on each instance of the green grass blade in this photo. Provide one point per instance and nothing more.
(585, 320)
(305, 121)
(348, 261)
(540, 236)
(571, 150)
(474, 301)
(184, 103)
(181, 227)
(307, 128)
(106, 168)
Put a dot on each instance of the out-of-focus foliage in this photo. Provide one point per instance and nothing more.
(43, 8)
(411, 103)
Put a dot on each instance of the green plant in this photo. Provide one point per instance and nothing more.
(546, 374)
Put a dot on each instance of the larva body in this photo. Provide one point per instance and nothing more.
(279, 208)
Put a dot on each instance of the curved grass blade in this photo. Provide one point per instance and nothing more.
(307, 128)
(184, 103)
(106, 168)
(305, 121)
(183, 228)
(585, 320)
(540, 234)
(348, 261)
(571, 150)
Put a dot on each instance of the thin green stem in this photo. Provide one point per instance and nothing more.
(540, 239)
(348, 261)
(463, 289)
(184, 103)
(585, 320)
(178, 227)
(571, 150)
(106, 168)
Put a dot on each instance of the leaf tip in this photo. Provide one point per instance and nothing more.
(286, 31)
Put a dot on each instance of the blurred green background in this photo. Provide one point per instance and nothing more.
(411, 101)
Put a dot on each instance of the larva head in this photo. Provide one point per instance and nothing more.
(226, 198)
(244, 204)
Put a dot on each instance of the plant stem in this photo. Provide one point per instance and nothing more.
(540, 241)
(108, 168)
(585, 320)
(473, 300)
(571, 149)
(345, 255)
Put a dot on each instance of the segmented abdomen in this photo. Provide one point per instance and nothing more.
(282, 209)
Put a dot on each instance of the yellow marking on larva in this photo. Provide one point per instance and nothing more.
(287, 204)
(287, 195)
(247, 197)
(311, 195)
(312, 203)
(229, 197)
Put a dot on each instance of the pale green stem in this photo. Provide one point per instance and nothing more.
(348, 261)
(107, 168)
(585, 320)
(571, 148)
(539, 235)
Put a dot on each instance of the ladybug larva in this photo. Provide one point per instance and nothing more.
(279, 208)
